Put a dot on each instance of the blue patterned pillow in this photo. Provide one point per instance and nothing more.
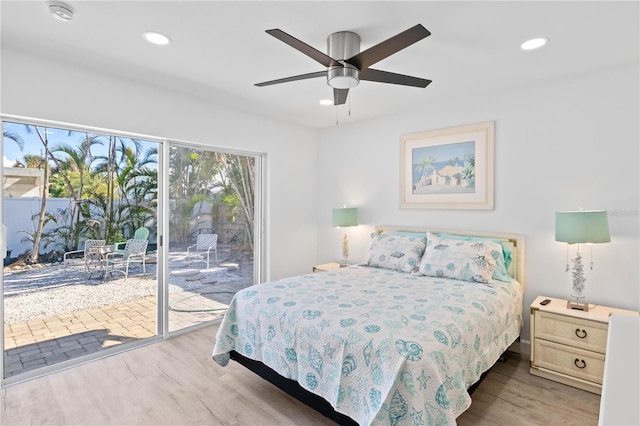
(463, 260)
(398, 252)
(503, 259)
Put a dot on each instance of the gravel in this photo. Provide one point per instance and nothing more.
(41, 292)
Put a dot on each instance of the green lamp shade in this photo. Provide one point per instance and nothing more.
(588, 226)
(347, 216)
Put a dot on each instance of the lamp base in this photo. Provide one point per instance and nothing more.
(577, 305)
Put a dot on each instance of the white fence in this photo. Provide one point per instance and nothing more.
(21, 214)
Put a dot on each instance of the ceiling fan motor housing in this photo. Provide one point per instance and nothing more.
(340, 46)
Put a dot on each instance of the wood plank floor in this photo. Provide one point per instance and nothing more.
(175, 382)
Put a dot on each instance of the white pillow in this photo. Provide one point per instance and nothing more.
(398, 252)
(463, 260)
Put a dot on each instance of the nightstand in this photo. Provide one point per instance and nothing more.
(569, 346)
(326, 267)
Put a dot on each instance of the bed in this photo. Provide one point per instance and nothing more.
(399, 339)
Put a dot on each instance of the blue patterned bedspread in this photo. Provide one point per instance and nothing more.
(383, 347)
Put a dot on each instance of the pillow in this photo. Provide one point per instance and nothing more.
(460, 259)
(398, 252)
(503, 258)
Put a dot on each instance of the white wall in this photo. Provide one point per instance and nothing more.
(49, 89)
(558, 145)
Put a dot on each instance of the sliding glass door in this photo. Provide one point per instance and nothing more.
(212, 231)
(73, 284)
(113, 241)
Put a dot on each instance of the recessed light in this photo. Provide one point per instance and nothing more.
(60, 11)
(156, 38)
(534, 43)
(326, 102)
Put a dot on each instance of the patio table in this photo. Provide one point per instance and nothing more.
(98, 260)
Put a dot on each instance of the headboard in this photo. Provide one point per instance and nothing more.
(516, 269)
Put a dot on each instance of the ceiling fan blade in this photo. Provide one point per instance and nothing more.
(340, 96)
(369, 74)
(293, 78)
(311, 52)
(388, 47)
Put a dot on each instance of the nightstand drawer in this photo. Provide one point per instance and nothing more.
(574, 362)
(576, 332)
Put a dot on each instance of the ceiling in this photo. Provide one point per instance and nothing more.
(220, 49)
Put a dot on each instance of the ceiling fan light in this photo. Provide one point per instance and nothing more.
(343, 82)
(343, 77)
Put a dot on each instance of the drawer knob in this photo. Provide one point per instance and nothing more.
(581, 361)
(581, 333)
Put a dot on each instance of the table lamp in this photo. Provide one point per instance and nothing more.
(343, 217)
(581, 227)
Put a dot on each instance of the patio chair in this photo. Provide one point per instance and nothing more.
(205, 244)
(140, 234)
(86, 252)
(134, 252)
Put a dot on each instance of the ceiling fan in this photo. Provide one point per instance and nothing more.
(346, 65)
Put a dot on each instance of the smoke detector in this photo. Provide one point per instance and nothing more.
(60, 11)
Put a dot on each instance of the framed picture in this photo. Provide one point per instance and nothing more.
(448, 168)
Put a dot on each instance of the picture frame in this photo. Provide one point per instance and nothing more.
(449, 168)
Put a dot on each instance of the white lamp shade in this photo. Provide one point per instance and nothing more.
(588, 226)
(347, 216)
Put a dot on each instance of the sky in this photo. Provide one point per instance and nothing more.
(444, 152)
(33, 145)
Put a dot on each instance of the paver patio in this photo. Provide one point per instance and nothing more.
(47, 341)
(55, 338)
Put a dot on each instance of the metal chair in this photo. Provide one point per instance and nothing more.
(140, 234)
(87, 253)
(205, 243)
(134, 252)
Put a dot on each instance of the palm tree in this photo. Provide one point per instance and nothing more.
(137, 183)
(75, 161)
(30, 161)
(425, 165)
(131, 180)
(14, 137)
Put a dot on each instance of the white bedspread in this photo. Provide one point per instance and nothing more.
(382, 347)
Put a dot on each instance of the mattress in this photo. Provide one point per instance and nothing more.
(382, 347)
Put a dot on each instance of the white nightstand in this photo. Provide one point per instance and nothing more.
(569, 346)
(326, 267)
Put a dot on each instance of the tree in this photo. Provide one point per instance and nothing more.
(426, 165)
(14, 137)
(131, 187)
(30, 161)
(74, 162)
(193, 179)
(469, 170)
(239, 172)
(42, 216)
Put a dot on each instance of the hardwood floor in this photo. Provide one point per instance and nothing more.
(175, 382)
